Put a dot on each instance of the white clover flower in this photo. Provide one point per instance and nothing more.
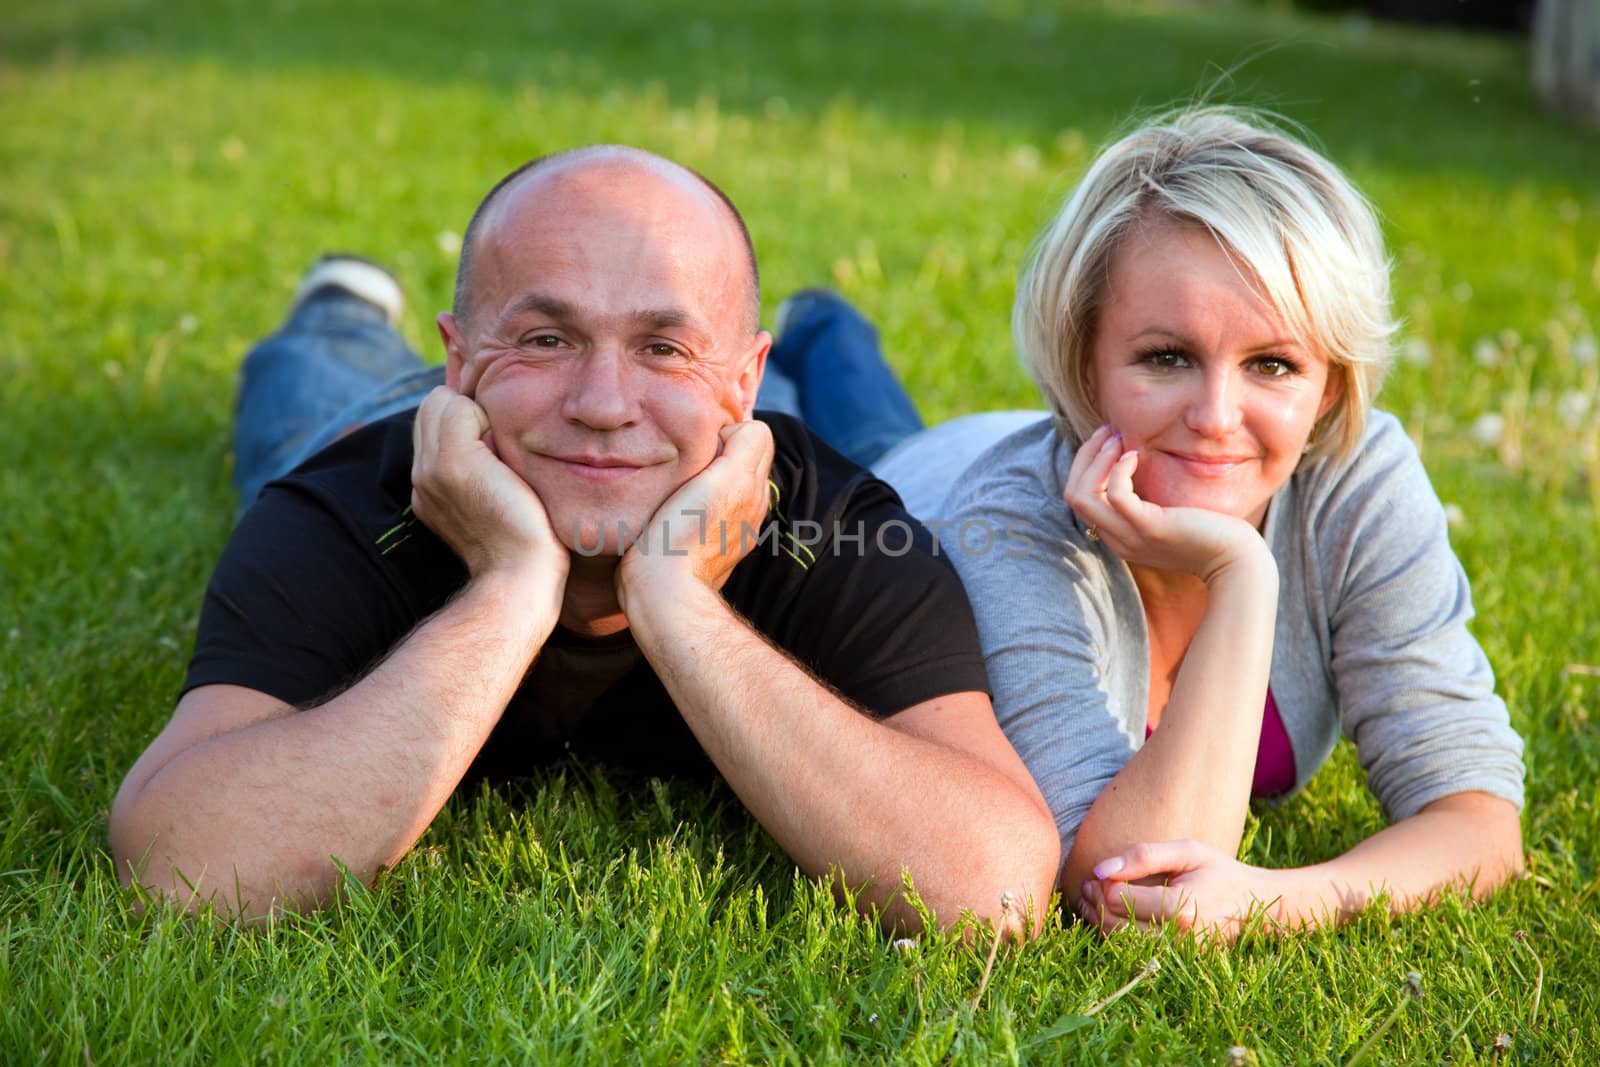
(1486, 353)
(905, 944)
(188, 324)
(449, 242)
(1416, 352)
(1573, 407)
(1489, 428)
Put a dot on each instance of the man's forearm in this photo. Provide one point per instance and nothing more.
(261, 812)
(838, 790)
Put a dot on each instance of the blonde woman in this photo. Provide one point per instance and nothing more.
(1213, 556)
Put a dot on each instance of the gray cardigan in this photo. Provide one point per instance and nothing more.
(1371, 631)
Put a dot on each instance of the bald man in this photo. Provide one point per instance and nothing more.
(581, 545)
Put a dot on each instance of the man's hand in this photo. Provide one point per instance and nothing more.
(488, 515)
(1100, 491)
(703, 530)
(1185, 883)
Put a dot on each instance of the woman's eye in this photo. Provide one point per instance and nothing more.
(1273, 367)
(1166, 358)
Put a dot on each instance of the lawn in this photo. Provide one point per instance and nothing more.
(168, 169)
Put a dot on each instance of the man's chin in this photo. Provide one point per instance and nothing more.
(592, 537)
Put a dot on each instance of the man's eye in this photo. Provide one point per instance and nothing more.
(541, 340)
(661, 348)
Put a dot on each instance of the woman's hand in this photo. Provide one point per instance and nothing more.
(1100, 491)
(1185, 883)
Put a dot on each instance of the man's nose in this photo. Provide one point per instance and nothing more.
(1214, 411)
(600, 393)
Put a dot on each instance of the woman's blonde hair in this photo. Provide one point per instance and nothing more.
(1309, 239)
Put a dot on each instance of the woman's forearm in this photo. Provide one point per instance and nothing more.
(1465, 840)
(1192, 777)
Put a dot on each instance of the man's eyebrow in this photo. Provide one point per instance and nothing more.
(543, 305)
(562, 311)
(663, 318)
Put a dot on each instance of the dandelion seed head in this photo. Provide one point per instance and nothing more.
(1416, 352)
(1025, 157)
(1585, 351)
(1489, 428)
(1573, 407)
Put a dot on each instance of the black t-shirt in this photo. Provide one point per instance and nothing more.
(328, 571)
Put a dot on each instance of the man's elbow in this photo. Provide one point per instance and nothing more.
(1005, 881)
(212, 881)
(1028, 860)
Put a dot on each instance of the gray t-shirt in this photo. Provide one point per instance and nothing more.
(1371, 632)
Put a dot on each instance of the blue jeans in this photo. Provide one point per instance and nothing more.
(337, 364)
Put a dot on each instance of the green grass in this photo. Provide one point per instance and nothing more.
(167, 170)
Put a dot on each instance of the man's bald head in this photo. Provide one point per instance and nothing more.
(600, 155)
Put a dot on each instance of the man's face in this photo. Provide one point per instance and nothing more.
(608, 341)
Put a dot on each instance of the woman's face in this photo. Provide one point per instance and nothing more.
(1198, 372)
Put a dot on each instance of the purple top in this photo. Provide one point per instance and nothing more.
(1274, 757)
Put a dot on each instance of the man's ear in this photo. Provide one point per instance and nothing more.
(455, 349)
(751, 366)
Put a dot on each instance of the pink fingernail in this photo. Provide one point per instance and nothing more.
(1106, 868)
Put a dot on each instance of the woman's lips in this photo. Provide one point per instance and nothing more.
(1209, 466)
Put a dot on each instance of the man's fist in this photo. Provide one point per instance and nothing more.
(480, 507)
(705, 528)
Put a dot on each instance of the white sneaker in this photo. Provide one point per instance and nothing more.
(359, 277)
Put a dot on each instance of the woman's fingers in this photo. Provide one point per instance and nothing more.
(1119, 486)
(1149, 858)
(1086, 481)
(1086, 453)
